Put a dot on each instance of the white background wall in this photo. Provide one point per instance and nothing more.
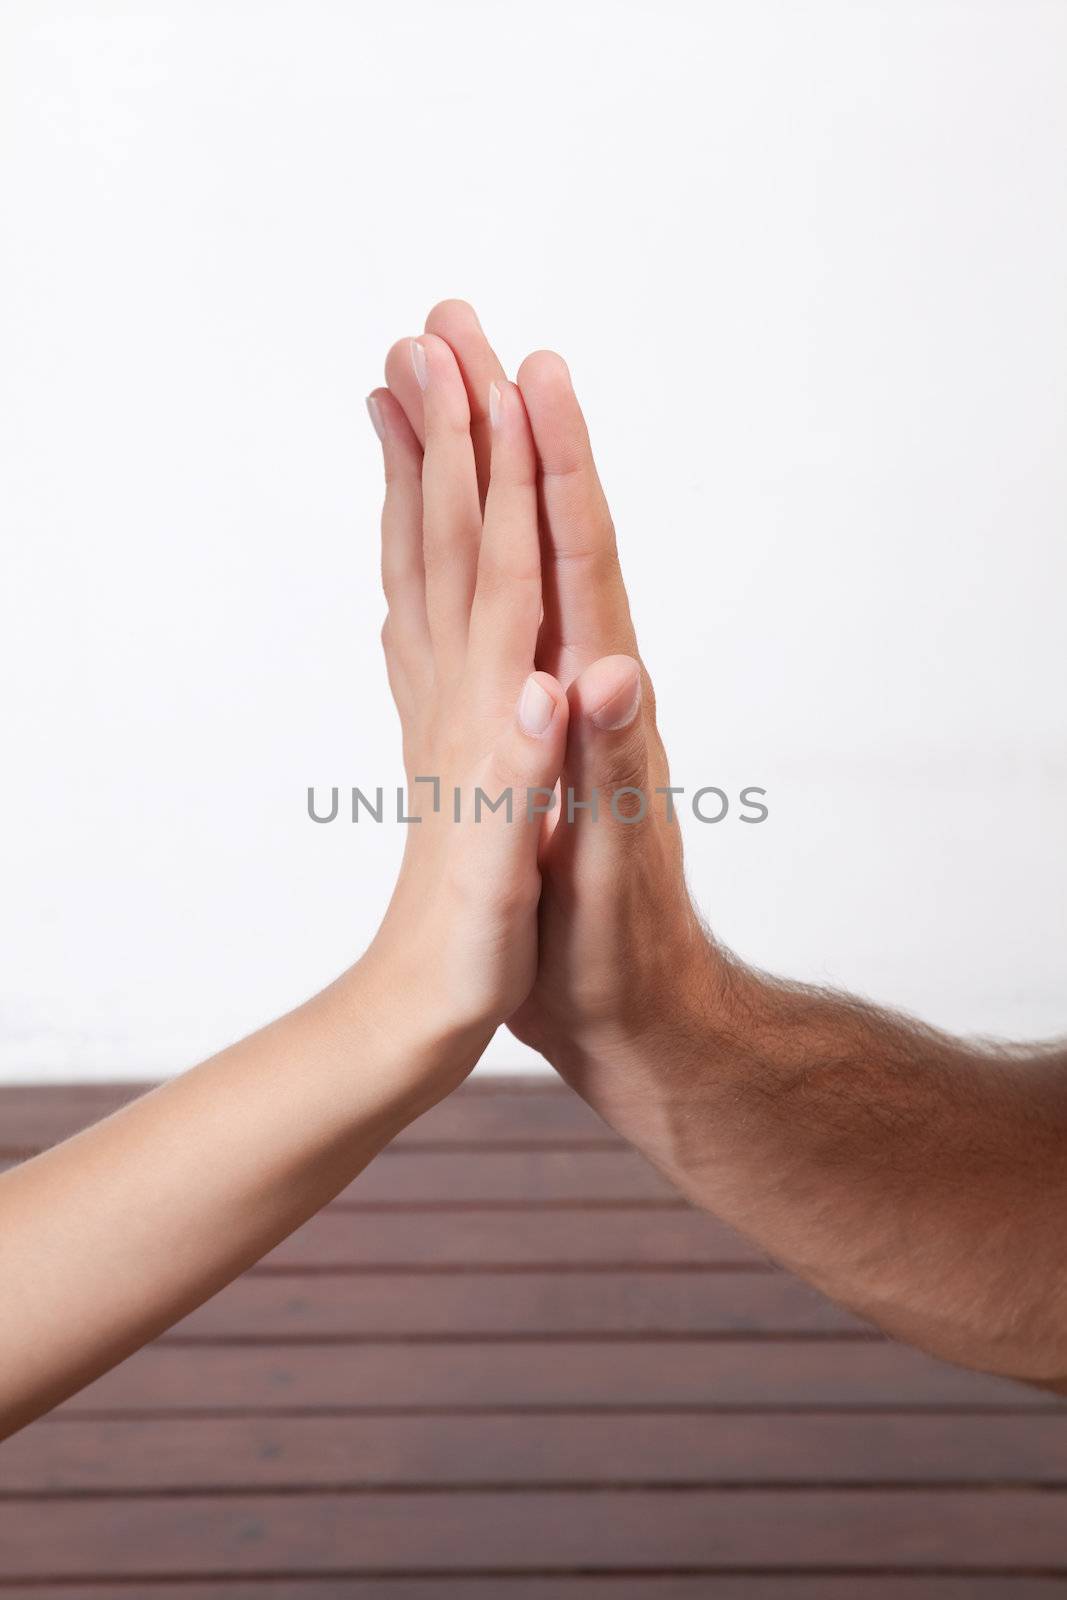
(808, 263)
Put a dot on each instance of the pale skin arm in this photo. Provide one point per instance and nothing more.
(918, 1178)
(111, 1237)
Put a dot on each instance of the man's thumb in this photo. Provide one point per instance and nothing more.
(607, 756)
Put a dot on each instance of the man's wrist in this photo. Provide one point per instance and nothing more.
(660, 1069)
(691, 989)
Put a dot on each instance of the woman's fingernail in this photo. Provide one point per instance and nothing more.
(418, 361)
(375, 412)
(620, 710)
(495, 404)
(536, 708)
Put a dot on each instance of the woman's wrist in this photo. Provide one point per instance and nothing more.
(409, 1045)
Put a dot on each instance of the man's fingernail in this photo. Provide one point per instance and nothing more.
(418, 361)
(536, 708)
(375, 413)
(495, 404)
(620, 710)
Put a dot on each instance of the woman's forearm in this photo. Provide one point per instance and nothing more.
(112, 1236)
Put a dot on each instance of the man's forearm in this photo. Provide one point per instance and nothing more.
(920, 1179)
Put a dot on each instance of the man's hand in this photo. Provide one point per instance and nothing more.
(918, 1178)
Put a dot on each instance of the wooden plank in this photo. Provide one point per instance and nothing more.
(412, 1176)
(589, 1586)
(531, 1304)
(539, 1531)
(73, 1454)
(406, 1176)
(631, 1236)
(500, 1376)
(494, 1111)
(585, 1375)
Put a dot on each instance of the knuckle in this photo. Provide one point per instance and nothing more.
(510, 891)
(448, 424)
(513, 467)
(508, 771)
(624, 767)
(596, 561)
(402, 473)
(501, 570)
(444, 538)
(398, 570)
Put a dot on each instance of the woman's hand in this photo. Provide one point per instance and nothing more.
(463, 587)
(620, 943)
(111, 1237)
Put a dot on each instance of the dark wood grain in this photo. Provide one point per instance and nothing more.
(440, 1236)
(405, 1175)
(412, 1176)
(510, 1364)
(588, 1586)
(483, 1112)
(536, 1530)
(70, 1454)
(581, 1375)
(464, 1305)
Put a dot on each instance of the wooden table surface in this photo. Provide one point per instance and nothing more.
(510, 1364)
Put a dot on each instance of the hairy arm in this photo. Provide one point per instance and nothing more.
(918, 1178)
